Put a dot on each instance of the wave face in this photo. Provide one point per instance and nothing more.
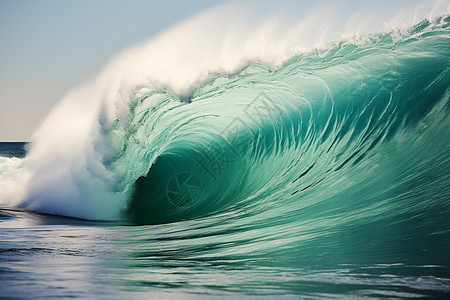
(354, 132)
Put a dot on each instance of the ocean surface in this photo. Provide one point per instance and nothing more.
(325, 177)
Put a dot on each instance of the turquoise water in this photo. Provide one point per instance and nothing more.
(327, 177)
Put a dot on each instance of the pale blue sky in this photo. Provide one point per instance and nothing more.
(48, 47)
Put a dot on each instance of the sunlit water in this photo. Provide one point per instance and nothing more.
(46, 256)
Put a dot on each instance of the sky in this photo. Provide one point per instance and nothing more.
(48, 47)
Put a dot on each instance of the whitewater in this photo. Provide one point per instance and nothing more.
(309, 142)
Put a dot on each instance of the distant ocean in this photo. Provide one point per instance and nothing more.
(13, 149)
(327, 177)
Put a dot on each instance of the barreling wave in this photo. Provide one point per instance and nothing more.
(341, 122)
(351, 130)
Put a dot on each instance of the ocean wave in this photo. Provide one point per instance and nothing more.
(327, 130)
